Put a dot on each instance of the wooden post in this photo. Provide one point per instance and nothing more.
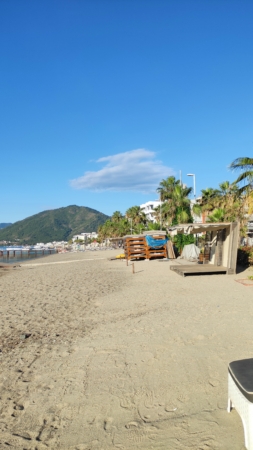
(133, 268)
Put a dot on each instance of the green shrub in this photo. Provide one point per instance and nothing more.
(180, 240)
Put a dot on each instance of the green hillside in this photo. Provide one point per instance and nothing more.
(54, 225)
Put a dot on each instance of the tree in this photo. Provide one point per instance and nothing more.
(246, 165)
(136, 215)
(181, 204)
(176, 204)
(217, 215)
(112, 229)
(166, 187)
(250, 203)
(208, 200)
(117, 216)
(153, 226)
(227, 204)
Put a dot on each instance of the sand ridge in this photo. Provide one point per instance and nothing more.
(115, 360)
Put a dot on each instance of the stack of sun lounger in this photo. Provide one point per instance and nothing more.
(136, 247)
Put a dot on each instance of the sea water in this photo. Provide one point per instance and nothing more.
(8, 257)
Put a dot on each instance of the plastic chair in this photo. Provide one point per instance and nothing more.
(240, 395)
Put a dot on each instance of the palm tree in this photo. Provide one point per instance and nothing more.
(166, 187)
(218, 215)
(224, 204)
(181, 204)
(113, 229)
(176, 204)
(163, 214)
(117, 216)
(136, 215)
(123, 227)
(208, 199)
(246, 165)
(153, 226)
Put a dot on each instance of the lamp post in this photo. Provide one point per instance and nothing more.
(194, 183)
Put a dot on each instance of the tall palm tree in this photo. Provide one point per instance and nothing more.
(176, 204)
(246, 165)
(207, 202)
(136, 214)
(117, 216)
(181, 204)
(165, 214)
(208, 199)
(123, 227)
(166, 187)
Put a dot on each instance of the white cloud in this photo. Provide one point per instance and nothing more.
(135, 170)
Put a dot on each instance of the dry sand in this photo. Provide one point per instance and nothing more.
(93, 357)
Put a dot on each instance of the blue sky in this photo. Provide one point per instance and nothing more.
(101, 99)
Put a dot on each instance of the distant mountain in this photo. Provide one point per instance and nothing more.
(54, 225)
(4, 225)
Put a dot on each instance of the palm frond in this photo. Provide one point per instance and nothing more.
(242, 163)
(247, 174)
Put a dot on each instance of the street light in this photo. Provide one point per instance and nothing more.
(194, 183)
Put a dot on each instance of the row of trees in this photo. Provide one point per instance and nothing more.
(175, 209)
(230, 202)
(134, 221)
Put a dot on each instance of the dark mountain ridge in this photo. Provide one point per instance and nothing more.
(54, 225)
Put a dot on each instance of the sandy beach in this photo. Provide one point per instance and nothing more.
(96, 358)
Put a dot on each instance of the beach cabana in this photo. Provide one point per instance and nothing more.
(220, 249)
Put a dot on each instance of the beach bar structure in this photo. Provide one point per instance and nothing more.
(136, 246)
(220, 248)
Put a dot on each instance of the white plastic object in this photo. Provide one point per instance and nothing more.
(244, 408)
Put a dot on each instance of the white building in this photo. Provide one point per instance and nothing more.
(85, 236)
(148, 209)
(196, 219)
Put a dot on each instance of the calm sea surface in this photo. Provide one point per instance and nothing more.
(11, 256)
